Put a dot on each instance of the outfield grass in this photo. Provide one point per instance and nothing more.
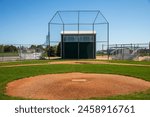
(8, 54)
(24, 62)
(130, 62)
(9, 74)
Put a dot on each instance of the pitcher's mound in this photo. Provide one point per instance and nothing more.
(75, 86)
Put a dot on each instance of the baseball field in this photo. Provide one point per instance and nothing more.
(123, 80)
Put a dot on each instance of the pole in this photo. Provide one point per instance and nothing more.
(121, 51)
(93, 38)
(102, 49)
(63, 44)
(149, 50)
(20, 52)
(78, 33)
(49, 40)
(108, 40)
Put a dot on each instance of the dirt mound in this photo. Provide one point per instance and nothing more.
(75, 86)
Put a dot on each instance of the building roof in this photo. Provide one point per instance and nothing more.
(76, 32)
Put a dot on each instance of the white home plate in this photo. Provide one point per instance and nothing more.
(79, 80)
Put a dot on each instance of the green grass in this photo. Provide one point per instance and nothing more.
(7, 54)
(130, 62)
(13, 73)
(46, 61)
(24, 62)
(134, 96)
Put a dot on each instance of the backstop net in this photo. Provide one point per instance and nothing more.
(77, 21)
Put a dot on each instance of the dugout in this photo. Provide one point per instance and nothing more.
(78, 44)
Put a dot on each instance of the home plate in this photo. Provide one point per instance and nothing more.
(79, 80)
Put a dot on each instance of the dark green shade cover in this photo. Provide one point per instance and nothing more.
(78, 46)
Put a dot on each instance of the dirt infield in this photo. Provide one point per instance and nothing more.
(95, 62)
(75, 62)
(75, 86)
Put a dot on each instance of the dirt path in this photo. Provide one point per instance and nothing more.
(75, 86)
(95, 62)
(76, 62)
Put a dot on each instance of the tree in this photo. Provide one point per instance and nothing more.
(39, 48)
(1, 48)
(13, 48)
(10, 48)
(33, 47)
(51, 51)
(58, 49)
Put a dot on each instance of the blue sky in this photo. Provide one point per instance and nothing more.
(25, 21)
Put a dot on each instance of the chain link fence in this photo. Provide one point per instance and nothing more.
(14, 52)
(138, 52)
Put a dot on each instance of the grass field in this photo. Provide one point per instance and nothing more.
(24, 62)
(8, 54)
(130, 62)
(8, 74)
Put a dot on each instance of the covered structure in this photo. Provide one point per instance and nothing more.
(78, 45)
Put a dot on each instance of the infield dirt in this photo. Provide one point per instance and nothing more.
(75, 86)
